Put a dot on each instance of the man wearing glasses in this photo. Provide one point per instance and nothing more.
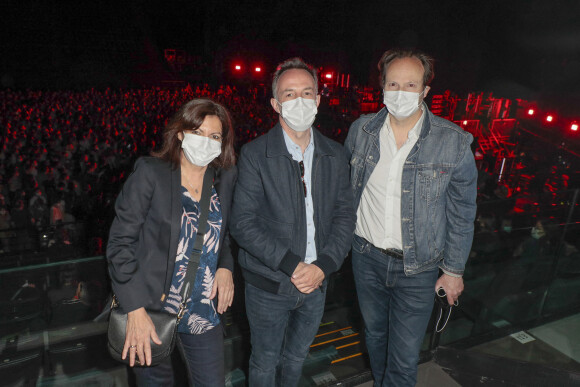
(293, 219)
(414, 181)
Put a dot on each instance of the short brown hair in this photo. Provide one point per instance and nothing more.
(398, 53)
(289, 64)
(190, 117)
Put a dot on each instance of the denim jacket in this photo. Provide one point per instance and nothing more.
(438, 189)
(269, 213)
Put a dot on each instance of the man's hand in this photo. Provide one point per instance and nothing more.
(223, 286)
(139, 334)
(307, 277)
(453, 287)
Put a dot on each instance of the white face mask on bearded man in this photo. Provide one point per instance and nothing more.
(402, 104)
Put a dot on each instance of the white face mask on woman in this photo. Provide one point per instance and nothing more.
(299, 113)
(200, 150)
(402, 104)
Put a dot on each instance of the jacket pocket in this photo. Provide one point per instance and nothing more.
(356, 169)
(431, 183)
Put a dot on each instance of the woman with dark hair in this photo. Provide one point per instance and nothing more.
(152, 236)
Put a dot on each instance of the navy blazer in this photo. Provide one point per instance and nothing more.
(145, 232)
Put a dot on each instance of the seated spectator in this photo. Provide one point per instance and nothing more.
(541, 244)
(6, 233)
(38, 207)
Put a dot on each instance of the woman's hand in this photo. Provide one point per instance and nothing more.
(223, 286)
(140, 332)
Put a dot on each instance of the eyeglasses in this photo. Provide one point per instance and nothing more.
(301, 164)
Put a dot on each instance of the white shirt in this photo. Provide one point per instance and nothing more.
(379, 212)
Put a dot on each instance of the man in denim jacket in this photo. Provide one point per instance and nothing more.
(293, 219)
(414, 181)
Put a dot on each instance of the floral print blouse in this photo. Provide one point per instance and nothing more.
(200, 314)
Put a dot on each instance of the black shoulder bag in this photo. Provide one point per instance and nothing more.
(165, 323)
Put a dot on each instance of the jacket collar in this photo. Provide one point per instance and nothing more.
(276, 146)
(427, 122)
(374, 125)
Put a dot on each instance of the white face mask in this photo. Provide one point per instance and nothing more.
(402, 104)
(537, 233)
(299, 113)
(200, 150)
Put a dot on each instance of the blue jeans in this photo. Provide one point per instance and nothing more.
(203, 356)
(282, 329)
(396, 309)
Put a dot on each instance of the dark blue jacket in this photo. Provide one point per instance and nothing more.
(269, 216)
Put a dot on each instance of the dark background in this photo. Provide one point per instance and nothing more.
(515, 49)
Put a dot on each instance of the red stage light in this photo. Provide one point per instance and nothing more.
(549, 118)
(258, 69)
(328, 75)
(531, 112)
(238, 67)
(465, 122)
(574, 127)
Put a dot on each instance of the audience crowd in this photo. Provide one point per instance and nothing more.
(65, 154)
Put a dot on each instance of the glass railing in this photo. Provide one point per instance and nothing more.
(519, 278)
(48, 332)
(53, 303)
